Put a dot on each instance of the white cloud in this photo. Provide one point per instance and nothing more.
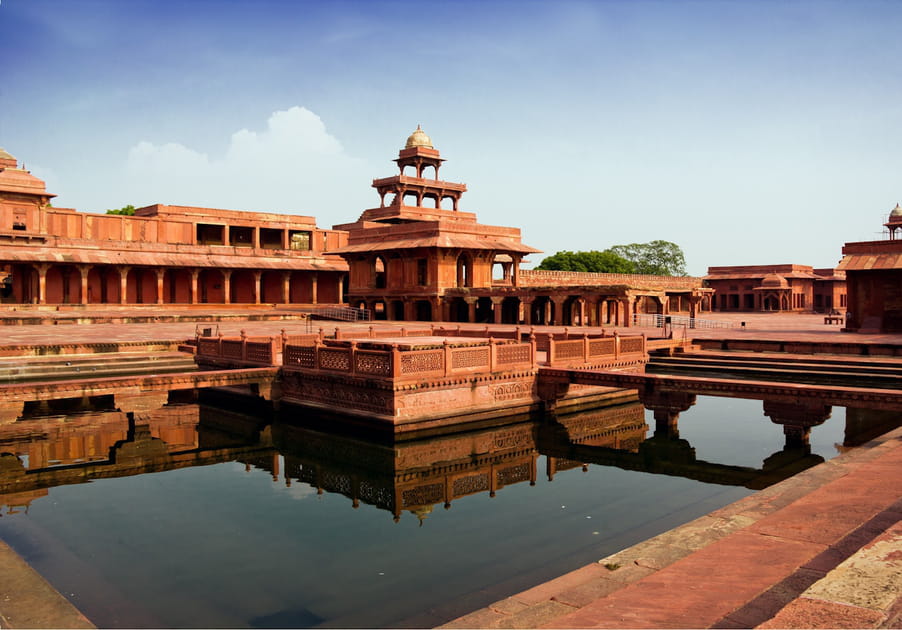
(293, 166)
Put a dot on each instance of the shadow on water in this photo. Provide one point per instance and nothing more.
(292, 618)
(218, 512)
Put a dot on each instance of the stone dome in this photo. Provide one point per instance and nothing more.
(774, 281)
(419, 139)
(896, 212)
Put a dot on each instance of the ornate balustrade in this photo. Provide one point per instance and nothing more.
(400, 362)
(243, 349)
(591, 351)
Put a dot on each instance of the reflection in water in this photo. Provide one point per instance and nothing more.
(303, 559)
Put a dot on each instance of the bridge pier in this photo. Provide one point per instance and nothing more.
(797, 418)
(666, 408)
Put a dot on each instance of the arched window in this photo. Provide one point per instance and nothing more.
(380, 270)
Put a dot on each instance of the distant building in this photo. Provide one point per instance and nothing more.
(874, 274)
(786, 288)
(162, 255)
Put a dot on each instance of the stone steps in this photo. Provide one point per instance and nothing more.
(80, 366)
(854, 371)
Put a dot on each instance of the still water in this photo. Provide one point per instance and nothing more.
(253, 523)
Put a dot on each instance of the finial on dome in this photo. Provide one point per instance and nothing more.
(896, 212)
(419, 139)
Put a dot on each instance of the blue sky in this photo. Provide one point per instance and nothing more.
(746, 132)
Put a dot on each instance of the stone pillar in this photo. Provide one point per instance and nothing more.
(558, 310)
(258, 288)
(797, 419)
(341, 288)
(286, 287)
(313, 287)
(161, 274)
(123, 284)
(624, 312)
(666, 408)
(437, 308)
(471, 309)
(581, 302)
(527, 310)
(496, 309)
(42, 269)
(192, 298)
(83, 270)
(226, 286)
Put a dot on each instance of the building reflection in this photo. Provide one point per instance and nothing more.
(77, 441)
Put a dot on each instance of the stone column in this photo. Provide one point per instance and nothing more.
(258, 287)
(496, 309)
(581, 302)
(42, 269)
(341, 288)
(666, 408)
(286, 287)
(471, 309)
(161, 275)
(527, 310)
(83, 270)
(625, 312)
(797, 418)
(558, 310)
(226, 286)
(313, 287)
(192, 298)
(436, 308)
(123, 284)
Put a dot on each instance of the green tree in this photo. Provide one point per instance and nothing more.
(658, 258)
(127, 210)
(592, 261)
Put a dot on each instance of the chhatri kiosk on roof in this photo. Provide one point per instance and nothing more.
(404, 256)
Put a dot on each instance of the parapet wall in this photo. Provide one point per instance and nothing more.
(542, 278)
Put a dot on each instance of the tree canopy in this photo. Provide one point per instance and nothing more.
(593, 261)
(127, 210)
(659, 258)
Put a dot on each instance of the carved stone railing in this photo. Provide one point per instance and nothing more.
(592, 351)
(241, 350)
(397, 362)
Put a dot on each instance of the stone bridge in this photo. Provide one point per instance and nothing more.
(136, 393)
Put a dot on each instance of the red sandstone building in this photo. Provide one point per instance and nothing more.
(874, 274)
(419, 257)
(786, 288)
(415, 257)
(162, 255)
